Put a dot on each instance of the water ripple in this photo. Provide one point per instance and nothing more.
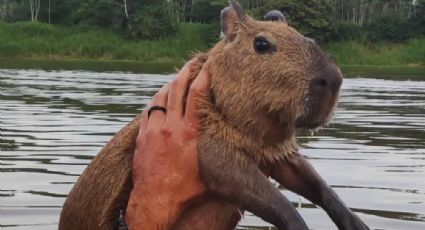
(53, 123)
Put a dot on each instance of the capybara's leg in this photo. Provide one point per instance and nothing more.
(237, 179)
(298, 175)
(104, 187)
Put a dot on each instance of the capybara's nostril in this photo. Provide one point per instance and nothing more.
(328, 79)
(322, 83)
(334, 79)
(319, 84)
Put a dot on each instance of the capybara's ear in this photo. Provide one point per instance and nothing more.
(231, 16)
(275, 16)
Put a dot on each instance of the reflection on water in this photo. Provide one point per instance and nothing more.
(53, 123)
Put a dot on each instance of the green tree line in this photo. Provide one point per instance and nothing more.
(324, 20)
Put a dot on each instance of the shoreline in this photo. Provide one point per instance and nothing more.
(99, 65)
(96, 65)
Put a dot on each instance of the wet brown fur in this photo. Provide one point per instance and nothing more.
(253, 106)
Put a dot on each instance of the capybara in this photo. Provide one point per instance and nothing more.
(267, 82)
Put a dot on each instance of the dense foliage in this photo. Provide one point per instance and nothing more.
(40, 40)
(137, 18)
(43, 41)
(312, 18)
(324, 20)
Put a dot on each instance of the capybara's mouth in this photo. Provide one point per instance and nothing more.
(318, 112)
(322, 96)
(313, 123)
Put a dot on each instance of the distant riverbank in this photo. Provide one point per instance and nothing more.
(38, 45)
(385, 71)
(42, 41)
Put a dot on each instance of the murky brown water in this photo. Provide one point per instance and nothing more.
(53, 123)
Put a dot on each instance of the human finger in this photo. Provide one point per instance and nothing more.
(177, 92)
(143, 121)
(199, 88)
(157, 117)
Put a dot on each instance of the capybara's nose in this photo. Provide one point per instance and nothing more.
(328, 79)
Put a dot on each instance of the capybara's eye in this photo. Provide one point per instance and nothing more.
(262, 45)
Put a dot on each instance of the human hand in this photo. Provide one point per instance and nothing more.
(165, 165)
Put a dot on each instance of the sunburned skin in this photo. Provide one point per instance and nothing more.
(267, 82)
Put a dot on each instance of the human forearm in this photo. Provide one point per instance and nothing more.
(165, 169)
(151, 212)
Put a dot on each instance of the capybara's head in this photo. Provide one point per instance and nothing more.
(268, 79)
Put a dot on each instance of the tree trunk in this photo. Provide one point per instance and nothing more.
(183, 12)
(3, 10)
(37, 9)
(384, 8)
(371, 8)
(6, 2)
(127, 16)
(32, 9)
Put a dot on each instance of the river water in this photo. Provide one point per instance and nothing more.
(53, 123)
